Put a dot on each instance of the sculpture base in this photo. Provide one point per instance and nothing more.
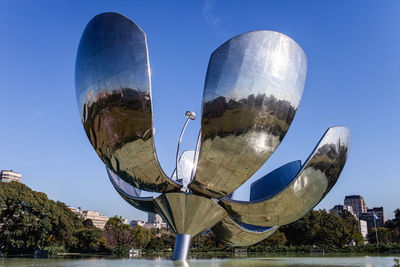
(182, 246)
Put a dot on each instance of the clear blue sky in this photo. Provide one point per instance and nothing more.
(353, 50)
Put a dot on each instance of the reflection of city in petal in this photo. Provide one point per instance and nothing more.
(253, 88)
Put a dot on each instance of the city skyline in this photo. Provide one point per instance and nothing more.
(352, 80)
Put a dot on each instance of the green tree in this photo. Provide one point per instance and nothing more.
(323, 229)
(351, 227)
(156, 244)
(142, 236)
(384, 235)
(30, 220)
(89, 239)
(117, 233)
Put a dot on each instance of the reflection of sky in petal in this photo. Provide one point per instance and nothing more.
(262, 142)
(185, 167)
(123, 186)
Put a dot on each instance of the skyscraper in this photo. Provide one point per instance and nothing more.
(357, 203)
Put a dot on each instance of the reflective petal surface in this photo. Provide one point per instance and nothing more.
(231, 233)
(315, 179)
(186, 166)
(131, 194)
(187, 213)
(253, 88)
(113, 90)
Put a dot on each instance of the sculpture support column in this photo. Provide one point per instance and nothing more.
(182, 246)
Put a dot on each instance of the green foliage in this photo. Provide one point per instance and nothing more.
(89, 239)
(30, 219)
(277, 239)
(118, 234)
(388, 234)
(53, 250)
(119, 251)
(321, 228)
(156, 244)
(142, 236)
(168, 239)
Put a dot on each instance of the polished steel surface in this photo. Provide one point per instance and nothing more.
(182, 246)
(231, 233)
(272, 183)
(315, 179)
(186, 165)
(113, 90)
(253, 88)
(187, 213)
(131, 194)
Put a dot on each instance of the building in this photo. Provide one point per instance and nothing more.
(363, 228)
(369, 217)
(99, 220)
(339, 208)
(357, 203)
(156, 225)
(10, 176)
(136, 223)
(154, 218)
(154, 221)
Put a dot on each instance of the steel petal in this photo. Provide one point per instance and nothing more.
(113, 90)
(252, 91)
(231, 233)
(315, 179)
(131, 194)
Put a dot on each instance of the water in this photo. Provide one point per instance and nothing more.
(235, 262)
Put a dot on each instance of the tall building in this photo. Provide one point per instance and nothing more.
(357, 203)
(154, 218)
(369, 217)
(10, 176)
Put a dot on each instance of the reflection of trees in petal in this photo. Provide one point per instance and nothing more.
(223, 117)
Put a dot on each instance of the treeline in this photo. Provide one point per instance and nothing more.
(29, 220)
(390, 233)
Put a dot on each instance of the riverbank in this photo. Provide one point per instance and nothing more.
(200, 262)
(370, 249)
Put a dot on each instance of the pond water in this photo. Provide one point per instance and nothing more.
(236, 262)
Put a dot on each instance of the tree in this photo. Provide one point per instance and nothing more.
(156, 244)
(276, 239)
(384, 235)
(117, 233)
(389, 233)
(89, 239)
(323, 229)
(30, 220)
(394, 223)
(142, 236)
(351, 226)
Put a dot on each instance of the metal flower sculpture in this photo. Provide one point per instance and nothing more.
(253, 88)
